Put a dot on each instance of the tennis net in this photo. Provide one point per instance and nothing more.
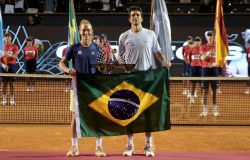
(48, 102)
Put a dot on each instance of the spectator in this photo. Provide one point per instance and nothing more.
(9, 65)
(19, 6)
(97, 40)
(30, 57)
(105, 5)
(9, 6)
(62, 6)
(209, 69)
(186, 50)
(106, 48)
(51, 6)
(196, 63)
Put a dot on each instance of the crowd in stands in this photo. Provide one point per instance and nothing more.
(100, 6)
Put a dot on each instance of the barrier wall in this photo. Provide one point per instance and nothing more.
(53, 27)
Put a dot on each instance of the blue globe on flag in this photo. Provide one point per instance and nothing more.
(123, 104)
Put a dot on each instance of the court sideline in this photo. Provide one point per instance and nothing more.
(181, 142)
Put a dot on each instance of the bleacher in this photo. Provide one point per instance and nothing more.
(240, 8)
(174, 6)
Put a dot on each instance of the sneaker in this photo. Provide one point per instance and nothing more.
(73, 152)
(67, 88)
(204, 112)
(12, 101)
(99, 152)
(149, 152)
(247, 91)
(129, 151)
(4, 102)
(218, 91)
(185, 91)
(191, 100)
(195, 94)
(32, 89)
(215, 112)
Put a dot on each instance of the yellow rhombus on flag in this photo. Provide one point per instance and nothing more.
(108, 104)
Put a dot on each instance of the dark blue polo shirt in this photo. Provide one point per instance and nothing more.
(83, 57)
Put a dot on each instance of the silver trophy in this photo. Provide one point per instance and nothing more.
(118, 65)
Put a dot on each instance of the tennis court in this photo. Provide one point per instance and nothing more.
(37, 127)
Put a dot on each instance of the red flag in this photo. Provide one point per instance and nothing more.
(221, 43)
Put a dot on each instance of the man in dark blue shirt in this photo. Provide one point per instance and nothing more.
(83, 54)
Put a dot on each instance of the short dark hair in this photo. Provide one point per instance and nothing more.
(30, 38)
(104, 37)
(197, 39)
(134, 8)
(189, 38)
(7, 34)
(96, 36)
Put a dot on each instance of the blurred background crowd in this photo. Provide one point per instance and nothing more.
(99, 6)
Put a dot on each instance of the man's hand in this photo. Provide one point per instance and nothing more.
(161, 58)
(167, 64)
(71, 71)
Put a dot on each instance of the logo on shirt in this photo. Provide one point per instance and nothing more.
(131, 44)
(10, 53)
(79, 52)
(92, 53)
(30, 52)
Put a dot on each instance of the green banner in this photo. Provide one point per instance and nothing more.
(118, 104)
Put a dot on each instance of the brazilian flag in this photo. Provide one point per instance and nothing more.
(73, 35)
(118, 104)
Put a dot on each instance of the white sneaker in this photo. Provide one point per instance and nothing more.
(73, 152)
(204, 111)
(215, 112)
(4, 102)
(32, 89)
(129, 151)
(67, 88)
(218, 91)
(99, 152)
(12, 102)
(247, 91)
(185, 91)
(203, 114)
(195, 94)
(191, 101)
(149, 152)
